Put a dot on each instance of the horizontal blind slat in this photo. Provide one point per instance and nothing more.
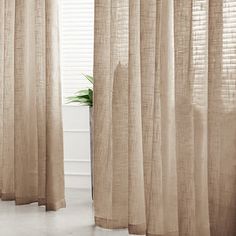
(77, 26)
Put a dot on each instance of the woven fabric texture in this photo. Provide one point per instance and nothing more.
(165, 116)
(31, 138)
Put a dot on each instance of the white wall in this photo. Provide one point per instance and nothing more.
(76, 146)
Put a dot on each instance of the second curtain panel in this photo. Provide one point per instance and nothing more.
(165, 111)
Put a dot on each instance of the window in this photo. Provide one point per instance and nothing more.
(200, 57)
(229, 56)
(77, 26)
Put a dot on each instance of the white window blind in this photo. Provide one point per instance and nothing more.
(200, 52)
(77, 26)
(200, 48)
(229, 54)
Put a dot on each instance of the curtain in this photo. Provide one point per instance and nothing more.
(31, 147)
(165, 116)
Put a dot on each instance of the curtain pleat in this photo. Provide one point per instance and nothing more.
(54, 131)
(221, 119)
(40, 40)
(1, 83)
(8, 100)
(136, 207)
(31, 145)
(164, 142)
(184, 118)
(25, 113)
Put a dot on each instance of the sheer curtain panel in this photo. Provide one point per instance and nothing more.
(31, 146)
(165, 116)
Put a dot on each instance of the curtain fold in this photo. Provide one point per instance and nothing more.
(31, 141)
(164, 142)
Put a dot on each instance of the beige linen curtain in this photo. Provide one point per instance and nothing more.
(165, 116)
(31, 147)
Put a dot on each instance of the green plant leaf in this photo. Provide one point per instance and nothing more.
(84, 96)
(82, 92)
(89, 78)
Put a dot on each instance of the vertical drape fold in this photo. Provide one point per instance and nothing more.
(31, 145)
(164, 142)
(136, 209)
(221, 118)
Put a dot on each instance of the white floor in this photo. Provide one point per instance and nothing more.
(31, 220)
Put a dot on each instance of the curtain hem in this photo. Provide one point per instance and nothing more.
(42, 202)
(53, 206)
(25, 200)
(175, 233)
(110, 224)
(7, 196)
(139, 229)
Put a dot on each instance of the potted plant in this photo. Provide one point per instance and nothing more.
(85, 98)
